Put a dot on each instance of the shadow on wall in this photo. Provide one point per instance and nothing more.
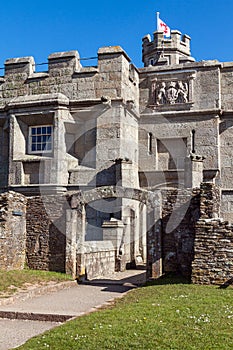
(57, 245)
(106, 177)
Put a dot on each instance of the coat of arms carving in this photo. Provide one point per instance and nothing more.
(171, 92)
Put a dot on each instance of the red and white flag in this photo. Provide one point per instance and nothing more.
(162, 26)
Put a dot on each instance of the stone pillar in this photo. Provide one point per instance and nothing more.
(193, 171)
(137, 253)
(80, 239)
(56, 171)
(143, 232)
(15, 176)
(154, 243)
(127, 229)
(71, 243)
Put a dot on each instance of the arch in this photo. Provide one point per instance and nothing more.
(151, 201)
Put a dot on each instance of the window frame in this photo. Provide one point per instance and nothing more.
(30, 142)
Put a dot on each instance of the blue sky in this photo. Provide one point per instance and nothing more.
(31, 28)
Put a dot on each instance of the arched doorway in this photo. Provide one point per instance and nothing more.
(133, 228)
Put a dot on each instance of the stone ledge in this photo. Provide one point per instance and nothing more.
(30, 316)
(45, 99)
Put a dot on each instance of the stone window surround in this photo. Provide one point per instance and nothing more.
(21, 141)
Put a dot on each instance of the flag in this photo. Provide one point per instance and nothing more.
(162, 26)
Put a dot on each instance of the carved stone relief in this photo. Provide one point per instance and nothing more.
(170, 92)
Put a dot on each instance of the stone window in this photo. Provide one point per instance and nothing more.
(150, 138)
(40, 139)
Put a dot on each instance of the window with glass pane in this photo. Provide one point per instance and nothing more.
(40, 139)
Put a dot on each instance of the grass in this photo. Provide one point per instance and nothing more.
(167, 315)
(11, 281)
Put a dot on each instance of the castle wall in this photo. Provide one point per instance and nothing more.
(12, 231)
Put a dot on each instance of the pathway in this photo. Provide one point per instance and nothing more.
(26, 318)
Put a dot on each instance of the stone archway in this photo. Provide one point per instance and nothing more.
(76, 226)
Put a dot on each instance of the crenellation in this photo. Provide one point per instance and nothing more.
(23, 67)
(112, 77)
(66, 62)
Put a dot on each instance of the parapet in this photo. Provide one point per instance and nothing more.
(114, 76)
(57, 61)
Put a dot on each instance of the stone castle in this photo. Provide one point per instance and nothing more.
(109, 167)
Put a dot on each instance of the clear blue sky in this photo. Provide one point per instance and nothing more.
(38, 28)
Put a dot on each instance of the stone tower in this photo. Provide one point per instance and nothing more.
(162, 51)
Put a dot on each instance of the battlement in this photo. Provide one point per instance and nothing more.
(163, 51)
(57, 61)
(113, 76)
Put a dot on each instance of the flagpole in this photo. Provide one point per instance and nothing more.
(157, 16)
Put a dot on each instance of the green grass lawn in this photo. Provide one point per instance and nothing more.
(10, 281)
(168, 315)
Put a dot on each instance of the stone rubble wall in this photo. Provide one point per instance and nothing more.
(210, 201)
(195, 241)
(12, 231)
(180, 212)
(213, 248)
(46, 240)
(213, 258)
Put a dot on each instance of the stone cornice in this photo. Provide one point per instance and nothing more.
(187, 113)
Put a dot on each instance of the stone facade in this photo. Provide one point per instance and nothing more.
(117, 154)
